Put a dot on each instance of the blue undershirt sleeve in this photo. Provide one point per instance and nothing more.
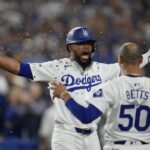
(85, 115)
(25, 71)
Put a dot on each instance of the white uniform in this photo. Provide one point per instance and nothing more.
(47, 126)
(126, 103)
(80, 82)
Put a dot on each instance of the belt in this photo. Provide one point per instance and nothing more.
(130, 142)
(84, 131)
(76, 129)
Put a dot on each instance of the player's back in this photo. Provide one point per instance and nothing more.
(129, 115)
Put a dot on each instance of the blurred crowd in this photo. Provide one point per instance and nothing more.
(35, 31)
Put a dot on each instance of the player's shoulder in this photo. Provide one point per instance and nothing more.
(146, 80)
(117, 81)
(59, 61)
(135, 77)
(63, 61)
(99, 63)
(111, 83)
(131, 79)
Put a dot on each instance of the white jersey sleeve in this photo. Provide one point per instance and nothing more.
(110, 71)
(47, 71)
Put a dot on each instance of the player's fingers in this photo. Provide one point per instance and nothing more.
(52, 88)
(55, 84)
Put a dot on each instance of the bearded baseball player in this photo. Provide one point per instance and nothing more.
(80, 75)
(125, 100)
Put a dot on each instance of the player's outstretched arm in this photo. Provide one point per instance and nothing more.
(9, 64)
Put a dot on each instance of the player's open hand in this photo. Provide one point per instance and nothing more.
(59, 90)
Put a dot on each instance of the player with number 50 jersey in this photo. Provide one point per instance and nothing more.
(124, 100)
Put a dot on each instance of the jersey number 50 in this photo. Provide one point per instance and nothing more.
(139, 121)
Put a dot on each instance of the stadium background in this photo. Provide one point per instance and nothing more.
(35, 31)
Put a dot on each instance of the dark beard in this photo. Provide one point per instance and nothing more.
(83, 64)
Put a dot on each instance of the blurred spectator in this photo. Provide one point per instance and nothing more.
(104, 55)
(2, 114)
(46, 128)
(12, 120)
(34, 106)
(4, 86)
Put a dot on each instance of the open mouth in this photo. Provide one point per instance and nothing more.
(85, 56)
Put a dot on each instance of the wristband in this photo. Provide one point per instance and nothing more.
(62, 94)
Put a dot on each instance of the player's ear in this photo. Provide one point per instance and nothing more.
(120, 59)
(69, 48)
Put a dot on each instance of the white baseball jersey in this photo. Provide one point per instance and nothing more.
(126, 103)
(77, 80)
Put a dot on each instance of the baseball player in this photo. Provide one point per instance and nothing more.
(125, 100)
(80, 75)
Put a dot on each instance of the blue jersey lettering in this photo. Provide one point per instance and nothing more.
(81, 83)
(140, 94)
